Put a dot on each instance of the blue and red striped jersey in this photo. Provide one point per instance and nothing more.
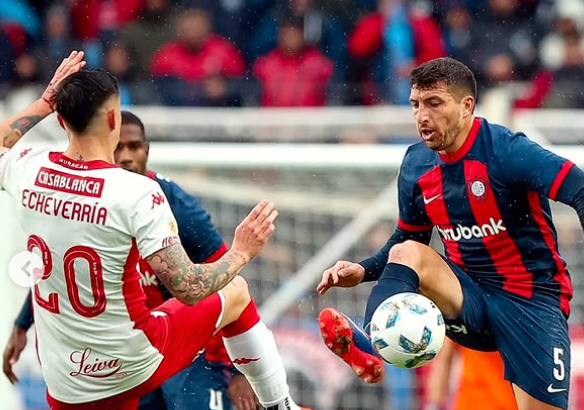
(489, 201)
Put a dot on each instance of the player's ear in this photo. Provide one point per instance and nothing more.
(111, 119)
(468, 105)
(61, 121)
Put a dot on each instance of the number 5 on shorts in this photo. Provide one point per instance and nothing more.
(559, 370)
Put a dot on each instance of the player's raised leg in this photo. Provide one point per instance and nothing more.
(415, 267)
(411, 267)
(527, 402)
(252, 348)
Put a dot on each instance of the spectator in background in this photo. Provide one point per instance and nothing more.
(480, 386)
(27, 70)
(19, 12)
(294, 74)
(504, 44)
(118, 62)
(226, 16)
(56, 43)
(199, 67)
(386, 44)
(455, 21)
(321, 30)
(145, 35)
(560, 81)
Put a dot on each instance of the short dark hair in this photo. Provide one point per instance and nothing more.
(129, 118)
(80, 95)
(444, 70)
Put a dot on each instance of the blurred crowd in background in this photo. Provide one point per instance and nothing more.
(297, 52)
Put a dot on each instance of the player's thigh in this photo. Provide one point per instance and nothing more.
(437, 280)
(201, 386)
(471, 327)
(527, 402)
(532, 336)
(188, 330)
(236, 298)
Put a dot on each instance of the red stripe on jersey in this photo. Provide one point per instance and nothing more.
(217, 254)
(562, 275)
(501, 247)
(151, 175)
(60, 159)
(466, 146)
(134, 297)
(559, 179)
(433, 196)
(413, 228)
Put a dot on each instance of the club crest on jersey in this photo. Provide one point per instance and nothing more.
(477, 188)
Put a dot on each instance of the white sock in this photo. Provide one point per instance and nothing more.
(255, 354)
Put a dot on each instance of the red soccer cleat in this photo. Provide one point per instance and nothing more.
(346, 340)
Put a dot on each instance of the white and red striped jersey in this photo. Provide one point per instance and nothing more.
(90, 222)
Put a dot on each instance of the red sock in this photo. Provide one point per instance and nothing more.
(248, 319)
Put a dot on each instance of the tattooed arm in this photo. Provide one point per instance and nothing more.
(191, 282)
(12, 129)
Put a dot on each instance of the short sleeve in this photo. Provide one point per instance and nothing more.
(5, 159)
(412, 213)
(524, 162)
(153, 224)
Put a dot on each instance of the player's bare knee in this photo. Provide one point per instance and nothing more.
(414, 255)
(237, 295)
(408, 253)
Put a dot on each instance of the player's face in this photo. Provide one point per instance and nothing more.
(132, 150)
(439, 116)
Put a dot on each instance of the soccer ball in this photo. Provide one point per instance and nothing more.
(407, 330)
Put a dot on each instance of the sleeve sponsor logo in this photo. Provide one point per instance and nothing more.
(69, 183)
(170, 240)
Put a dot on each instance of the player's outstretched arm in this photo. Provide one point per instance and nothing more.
(12, 129)
(348, 274)
(191, 282)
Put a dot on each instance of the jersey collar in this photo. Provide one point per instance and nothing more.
(60, 159)
(466, 146)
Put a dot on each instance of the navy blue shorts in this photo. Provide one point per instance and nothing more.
(531, 335)
(201, 386)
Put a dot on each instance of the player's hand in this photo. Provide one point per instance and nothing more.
(253, 232)
(344, 274)
(15, 346)
(69, 65)
(241, 394)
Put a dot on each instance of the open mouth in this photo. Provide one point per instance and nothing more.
(427, 135)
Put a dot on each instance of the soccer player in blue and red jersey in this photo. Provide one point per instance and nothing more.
(502, 284)
(211, 382)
